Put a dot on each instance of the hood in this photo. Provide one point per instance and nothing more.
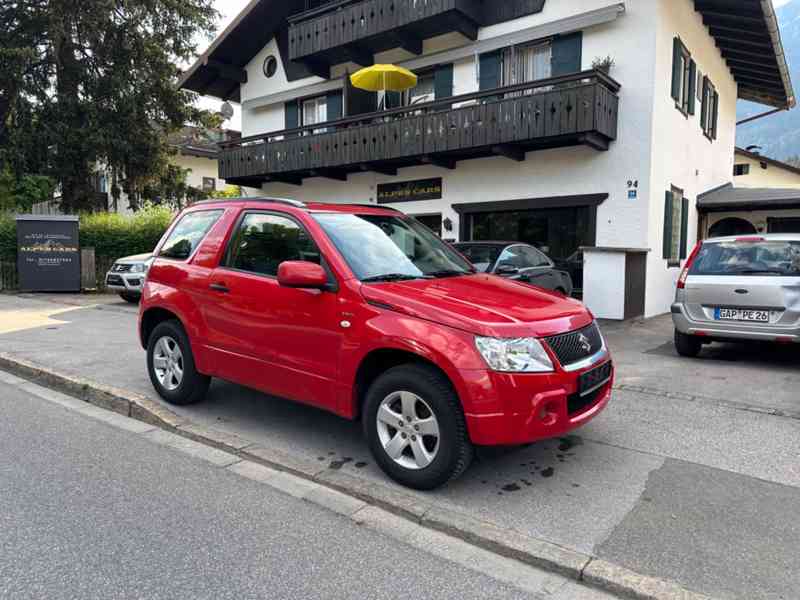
(485, 305)
(136, 258)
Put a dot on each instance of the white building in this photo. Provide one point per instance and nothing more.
(567, 157)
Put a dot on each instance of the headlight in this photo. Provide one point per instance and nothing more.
(139, 268)
(523, 355)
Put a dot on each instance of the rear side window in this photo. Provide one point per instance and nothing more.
(756, 258)
(264, 241)
(186, 236)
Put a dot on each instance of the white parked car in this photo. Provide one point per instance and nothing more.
(127, 276)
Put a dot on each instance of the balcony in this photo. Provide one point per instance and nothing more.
(577, 109)
(347, 31)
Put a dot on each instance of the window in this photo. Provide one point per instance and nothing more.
(684, 74)
(188, 233)
(522, 64)
(522, 257)
(209, 184)
(270, 66)
(314, 111)
(756, 258)
(739, 170)
(676, 226)
(264, 241)
(424, 91)
(709, 112)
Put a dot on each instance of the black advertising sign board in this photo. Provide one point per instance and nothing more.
(48, 254)
(410, 191)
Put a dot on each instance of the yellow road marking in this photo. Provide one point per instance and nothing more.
(12, 321)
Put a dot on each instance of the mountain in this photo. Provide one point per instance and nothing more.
(779, 134)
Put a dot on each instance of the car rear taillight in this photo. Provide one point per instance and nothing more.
(685, 273)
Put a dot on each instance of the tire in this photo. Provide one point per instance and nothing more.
(687, 345)
(191, 387)
(433, 397)
(132, 298)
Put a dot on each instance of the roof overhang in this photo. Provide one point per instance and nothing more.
(765, 159)
(747, 34)
(730, 199)
(220, 70)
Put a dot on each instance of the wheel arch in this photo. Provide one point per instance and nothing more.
(151, 319)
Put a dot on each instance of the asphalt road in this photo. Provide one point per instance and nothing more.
(91, 511)
(692, 474)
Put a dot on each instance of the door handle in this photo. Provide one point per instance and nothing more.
(219, 287)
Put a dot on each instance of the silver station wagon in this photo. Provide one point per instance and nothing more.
(739, 288)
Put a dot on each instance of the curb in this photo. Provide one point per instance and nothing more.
(545, 555)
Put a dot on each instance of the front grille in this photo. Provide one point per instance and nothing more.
(114, 280)
(572, 347)
(121, 268)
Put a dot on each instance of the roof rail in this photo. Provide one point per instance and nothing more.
(287, 201)
(371, 206)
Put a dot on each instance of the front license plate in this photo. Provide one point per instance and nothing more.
(597, 377)
(742, 314)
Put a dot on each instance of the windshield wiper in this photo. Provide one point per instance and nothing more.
(391, 277)
(759, 271)
(448, 273)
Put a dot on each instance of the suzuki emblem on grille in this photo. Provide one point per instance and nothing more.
(586, 345)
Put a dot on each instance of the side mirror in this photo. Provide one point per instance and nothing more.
(506, 271)
(302, 274)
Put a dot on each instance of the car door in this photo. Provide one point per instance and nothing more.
(283, 341)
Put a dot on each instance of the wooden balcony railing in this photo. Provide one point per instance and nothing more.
(355, 30)
(581, 108)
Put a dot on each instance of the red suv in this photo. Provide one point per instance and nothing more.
(364, 312)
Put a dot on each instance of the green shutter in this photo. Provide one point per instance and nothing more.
(714, 116)
(335, 106)
(567, 54)
(677, 72)
(704, 106)
(668, 226)
(443, 81)
(692, 86)
(684, 228)
(490, 70)
(292, 115)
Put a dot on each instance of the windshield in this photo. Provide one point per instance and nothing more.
(387, 248)
(758, 257)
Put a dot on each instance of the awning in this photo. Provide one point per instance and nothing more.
(747, 34)
(728, 198)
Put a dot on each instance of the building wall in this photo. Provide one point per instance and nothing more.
(199, 168)
(681, 154)
(771, 177)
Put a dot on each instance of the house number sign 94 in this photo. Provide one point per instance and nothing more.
(633, 189)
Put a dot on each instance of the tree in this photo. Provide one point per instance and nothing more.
(97, 79)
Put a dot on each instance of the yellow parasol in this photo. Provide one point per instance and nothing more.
(384, 78)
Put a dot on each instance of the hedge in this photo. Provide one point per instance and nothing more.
(111, 235)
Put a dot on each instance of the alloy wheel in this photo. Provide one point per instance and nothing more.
(408, 430)
(168, 363)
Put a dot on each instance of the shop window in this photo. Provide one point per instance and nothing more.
(676, 226)
(684, 76)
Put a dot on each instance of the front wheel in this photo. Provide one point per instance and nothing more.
(687, 345)
(170, 364)
(415, 427)
(131, 298)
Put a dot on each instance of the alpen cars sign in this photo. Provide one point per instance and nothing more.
(48, 253)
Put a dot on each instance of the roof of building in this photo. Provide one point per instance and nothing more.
(747, 34)
(769, 161)
(727, 197)
(746, 31)
(201, 142)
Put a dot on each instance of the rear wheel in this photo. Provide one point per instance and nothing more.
(415, 427)
(171, 366)
(687, 345)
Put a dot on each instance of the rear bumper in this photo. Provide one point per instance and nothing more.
(731, 330)
(534, 407)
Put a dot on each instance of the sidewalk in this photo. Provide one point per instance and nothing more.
(687, 476)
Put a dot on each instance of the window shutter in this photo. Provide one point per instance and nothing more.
(714, 116)
(292, 115)
(684, 228)
(490, 71)
(567, 54)
(692, 85)
(335, 106)
(443, 82)
(704, 112)
(677, 75)
(668, 226)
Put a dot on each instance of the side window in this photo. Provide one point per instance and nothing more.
(264, 241)
(188, 233)
(534, 258)
(512, 257)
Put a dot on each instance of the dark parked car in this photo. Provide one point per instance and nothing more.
(520, 262)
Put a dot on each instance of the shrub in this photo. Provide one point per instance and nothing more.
(111, 235)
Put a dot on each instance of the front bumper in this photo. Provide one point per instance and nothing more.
(731, 330)
(125, 283)
(531, 407)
